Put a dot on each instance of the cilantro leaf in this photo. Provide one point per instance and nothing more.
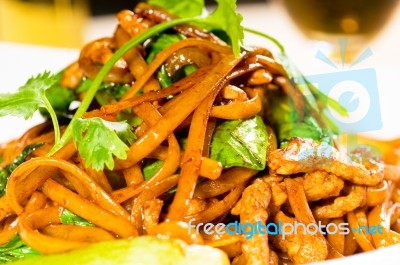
(69, 218)
(241, 143)
(181, 8)
(98, 141)
(30, 98)
(227, 19)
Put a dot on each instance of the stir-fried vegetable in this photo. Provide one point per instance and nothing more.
(241, 143)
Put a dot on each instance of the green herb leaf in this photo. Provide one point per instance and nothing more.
(309, 128)
(6, 172)
(60, 97)
(287, 124)
(30, 98)
(160, 43)
(69, 218)
(108, 92)
(181, 8)
(15, 249)
(98, 141)
(227, 19)
(241, 143)
(112, 94)
(150, 169)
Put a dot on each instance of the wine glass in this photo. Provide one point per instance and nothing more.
(327, 21)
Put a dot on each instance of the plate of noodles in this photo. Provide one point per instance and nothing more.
(168, 141)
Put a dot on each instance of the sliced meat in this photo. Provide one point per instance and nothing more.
(305, 155)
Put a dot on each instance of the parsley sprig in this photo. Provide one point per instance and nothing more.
(99, 140)
(30, 98)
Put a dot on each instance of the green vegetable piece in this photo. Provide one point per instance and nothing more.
(15, 249)
(132, 119)
(241, 143)
(189, 69)
(98, 141)
(30, 98)
(181, 8)
(307, 129)
(143, 250)
(163, 77)
(108, 92)
(69, 218)
(6, 172)
(160, 43)
(150, 169)
(60, 97)
(287, 124)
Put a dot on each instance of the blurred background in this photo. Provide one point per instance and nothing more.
(57, 22)
(71, 23)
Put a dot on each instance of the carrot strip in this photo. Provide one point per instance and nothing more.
(45, 244)
(182, 85)
(380, 218)
(239, 110)
(361, 238)
(78, 233)
(219, 208)
(96, 192)
(336, 240)
(177, 230)
(191, 160)
(210, 168)
(88, 210)
(133, 175)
